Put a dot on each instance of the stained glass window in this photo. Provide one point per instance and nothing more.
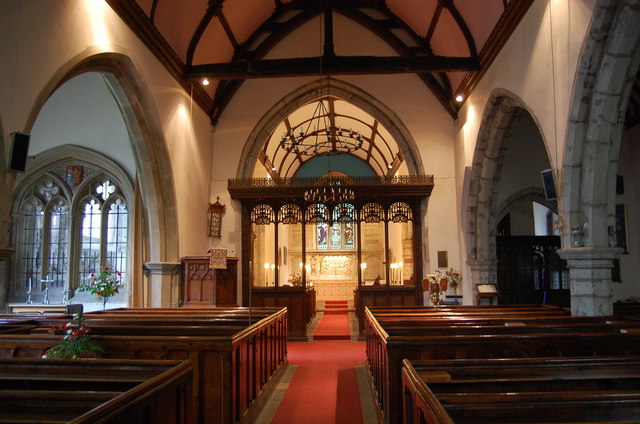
(339, 235)
(336, 236)
(349, 242)
(323, 236)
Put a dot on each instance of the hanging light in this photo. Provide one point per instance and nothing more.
(332, 193)
(318, 136)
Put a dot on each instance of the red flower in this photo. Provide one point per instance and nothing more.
(93, 274)
(106, 268)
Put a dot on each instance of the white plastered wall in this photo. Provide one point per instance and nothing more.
(43, 40)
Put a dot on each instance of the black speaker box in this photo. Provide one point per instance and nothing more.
(619, 184)
(19, 151)
(549, 184)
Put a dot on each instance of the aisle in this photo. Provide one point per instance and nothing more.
(324, 389)
(326, 380)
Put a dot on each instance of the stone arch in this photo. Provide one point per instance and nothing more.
(534, 194)
(499, 118)
(608, 63)
(344, 91)
(607, 67)
(155, 176)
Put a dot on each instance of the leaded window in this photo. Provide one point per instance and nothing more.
(64, 248)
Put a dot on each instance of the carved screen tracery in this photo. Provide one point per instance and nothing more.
(400, 212)
(316, 213)
(344, 212)
(290, 214)
(263, 215)
(372, 213)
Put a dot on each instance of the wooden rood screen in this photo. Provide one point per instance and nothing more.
(463, 332)
(236, 352)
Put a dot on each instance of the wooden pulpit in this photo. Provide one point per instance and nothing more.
(203, 286)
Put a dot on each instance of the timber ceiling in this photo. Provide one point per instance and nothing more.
(449, 44)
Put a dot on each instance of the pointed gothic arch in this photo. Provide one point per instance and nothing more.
(501, 114)
(155, 178)
(314, 91)
(608, 63)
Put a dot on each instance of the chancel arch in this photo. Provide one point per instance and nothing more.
(338, 245)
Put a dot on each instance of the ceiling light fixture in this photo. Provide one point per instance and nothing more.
(320, 136)
(459, 98)
(332, 193)
(205, 81)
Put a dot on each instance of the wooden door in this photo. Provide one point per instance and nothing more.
(530, 270)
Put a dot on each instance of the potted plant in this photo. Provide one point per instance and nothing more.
(75, 342)
(104, 284)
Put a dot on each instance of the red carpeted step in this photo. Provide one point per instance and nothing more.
(333, 327)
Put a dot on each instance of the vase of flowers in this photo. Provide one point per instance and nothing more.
(454, 278)
(75, 341)
(104, 284)
(294, 279)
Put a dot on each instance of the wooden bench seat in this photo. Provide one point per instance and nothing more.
(541, 390)
(387, 345)
(234, 365)
(90, 391)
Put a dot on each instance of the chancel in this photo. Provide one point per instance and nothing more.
(408, 188)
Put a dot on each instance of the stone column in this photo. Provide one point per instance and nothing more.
(483, 271)
(163, 284)
(590, 277)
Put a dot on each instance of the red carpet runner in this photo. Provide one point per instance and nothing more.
(333, 327)
(324, 389)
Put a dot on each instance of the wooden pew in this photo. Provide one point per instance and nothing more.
(95, 391)
(386, 348)
(234, 365)
(539, 390)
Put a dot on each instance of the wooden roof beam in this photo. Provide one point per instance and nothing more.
(334, 65)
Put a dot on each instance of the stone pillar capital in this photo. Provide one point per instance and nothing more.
(590, 278)
(163, 283)
(161, 268)
(590, 257)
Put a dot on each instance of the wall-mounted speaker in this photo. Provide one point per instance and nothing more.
(619, 184)
(549, 184)
(19, 151)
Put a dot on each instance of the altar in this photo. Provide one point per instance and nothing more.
(334, 289)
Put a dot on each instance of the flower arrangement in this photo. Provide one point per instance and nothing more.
(294, 278)
(76, 341)
(454, 278)
(104, 284)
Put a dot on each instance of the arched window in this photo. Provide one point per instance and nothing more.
(62, 247)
